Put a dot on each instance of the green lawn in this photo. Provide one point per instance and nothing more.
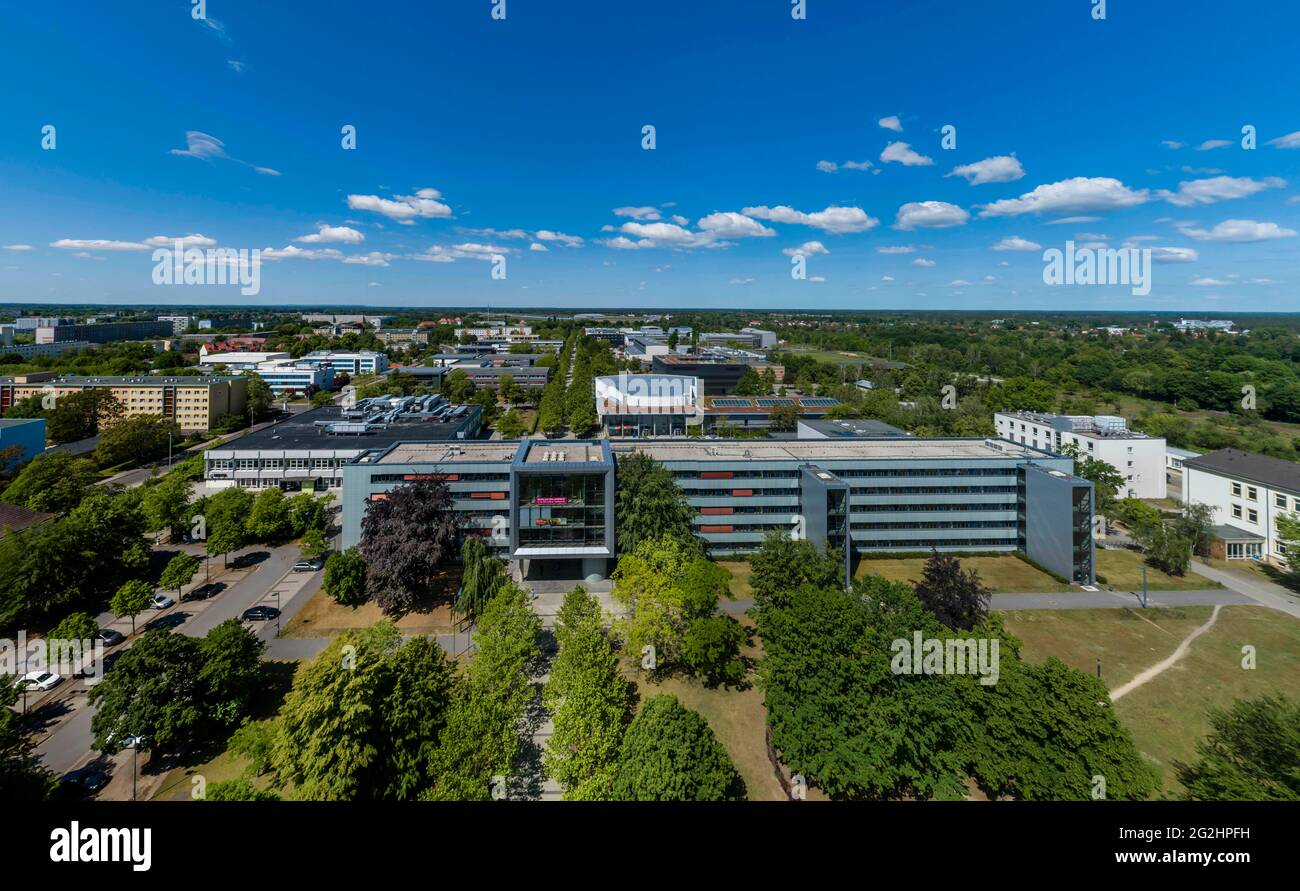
(1005, 574)
(1122, 570)
(1169, 714)
(739, 570)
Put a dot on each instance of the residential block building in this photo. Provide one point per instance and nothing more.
(1247, 492)
(194, 403)
(1139, 458)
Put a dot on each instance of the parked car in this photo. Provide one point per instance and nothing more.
(110, 637)
(309, 566)
(40, 680)
(260, 613)
(161, 601)
(83, 781)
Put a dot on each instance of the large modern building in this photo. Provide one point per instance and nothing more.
(25, 434)
(483, 373)
(363, 362)
(31, 350)
(649, 404)
(290, 378)
(1139, 458)
(194, 403)
(306, 452)
(719, 378)
(1247, 493)
(105, 332)
(550, 504)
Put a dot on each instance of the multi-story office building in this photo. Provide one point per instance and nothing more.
(25, 434)
(31, 323)
(613, 336)
(194, 403)
(287, 377)
(211, 356)
(551, 503)
(363, 362)
(306, 452)
(499, 331)
(403, 336)
(1247, 492)
(1139, 458)
(105, 332)
(764, 340)
(719, 378)
(649, 404)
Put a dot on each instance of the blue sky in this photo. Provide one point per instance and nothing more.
(477, 136)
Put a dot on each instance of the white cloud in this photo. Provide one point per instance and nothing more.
(1172, 143)
(1218, 188)
(661, 235)
(1289, 141)
(566, 240)
(208, 148)
(493, 233)
(18, 247)
(374, 258)
(292, 252)
(733, 225)
(1211, 144)
(97, 244)
(839, 220)
(1081, 193)
(998, 169)
(807, 249)
(187, 241)
(403, 209)
(1016, 243)
(538, 247)
(1205, 282)
(679, 219)
(923, 262)
(817, 279)
(832, 167)
(1237, 231)
(896, 249)
(930, 215)
(902, 153)
(643, 214)
(328, 234)
(886, 278)
(891, 123)
(1071, 220)
(466, 251)
(959, 283)
(236, 65)
(742, 281)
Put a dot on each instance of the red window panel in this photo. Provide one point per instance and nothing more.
(742, 493)
(717, 475)
(716, 511)
(717, 528)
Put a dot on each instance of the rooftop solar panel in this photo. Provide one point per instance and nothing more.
(766, 402)
(820, 403)
(732, 403)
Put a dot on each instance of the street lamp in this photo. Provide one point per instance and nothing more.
(135, 750)
(277, 612)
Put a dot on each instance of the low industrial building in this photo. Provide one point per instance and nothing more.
(1139, 458)
(550, 504)
(306, 452)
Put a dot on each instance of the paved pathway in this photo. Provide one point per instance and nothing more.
(1260, 590)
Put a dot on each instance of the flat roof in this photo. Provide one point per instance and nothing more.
(564, 452)
(852, 427)
(817, 450)
(300, 432)
(1275, 473)
(142, 381)
(18, 422)
(471, 451)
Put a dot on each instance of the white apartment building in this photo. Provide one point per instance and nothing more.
(1247, 492)
(1139, 458)
(363, 362)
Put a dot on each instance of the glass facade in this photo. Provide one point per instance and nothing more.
(562, 511)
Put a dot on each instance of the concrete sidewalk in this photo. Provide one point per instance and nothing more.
(1260, 590)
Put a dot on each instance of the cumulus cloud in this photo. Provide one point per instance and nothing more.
(807, 249)
(1173, 254)
(293, 252)
(733, 225)
(187, 241)
(403, 209)
(560, 237)
(374, 258)
(998, 169)
(902, 153)
(1237, 231)
(922, 261)
(1079, 194)
(1289, 141)
(661, 235)
(930, 215)
(1218, 188)
(1016, 243)
(540, 248)
(465, 251)
(18, 247)
(644, 214)
(328, 234)
(838, 220)
(891, 123)
(832, 167)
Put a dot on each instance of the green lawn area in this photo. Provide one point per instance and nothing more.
(739, 570)
(1169, 714)
(1122, 570)
(1005, 573)
(845, 357)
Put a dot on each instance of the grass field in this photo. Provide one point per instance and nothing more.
(739, 570)
(1005, 574)
(1169, 714)
(1123, 572)
(321, 616)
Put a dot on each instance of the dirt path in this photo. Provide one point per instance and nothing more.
(1164, 664)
